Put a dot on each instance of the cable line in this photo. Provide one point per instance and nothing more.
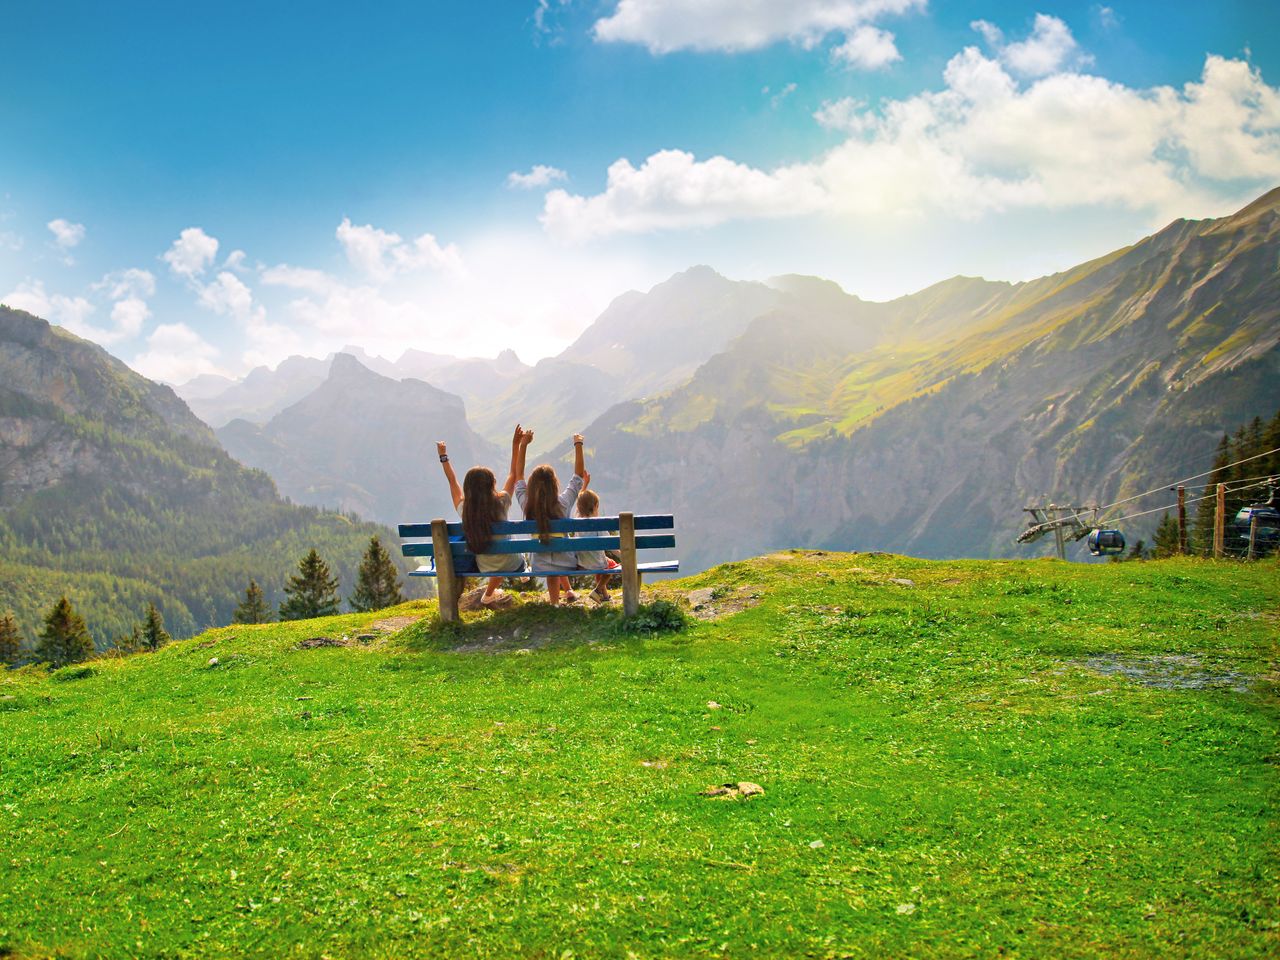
(1178, 483)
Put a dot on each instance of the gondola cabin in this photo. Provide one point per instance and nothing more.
(1106, 543)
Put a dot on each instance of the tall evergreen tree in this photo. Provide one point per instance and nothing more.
(378, 585)
(312, 593)
(253, 609)
(10, 639)
(1166, 538)
(153, 633)
(129, 643)
(64, 639)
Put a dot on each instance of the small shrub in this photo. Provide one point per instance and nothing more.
(661, 616)
(75, 673)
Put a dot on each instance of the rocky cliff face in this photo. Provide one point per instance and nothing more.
(365, 443)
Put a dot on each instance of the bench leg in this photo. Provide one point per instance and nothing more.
(630, 575)
(447, 585)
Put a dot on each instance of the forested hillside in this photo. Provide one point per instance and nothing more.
(113, 493)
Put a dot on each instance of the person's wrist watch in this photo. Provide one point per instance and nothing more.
(444, 458)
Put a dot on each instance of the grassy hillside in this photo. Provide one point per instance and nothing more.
(958, 759)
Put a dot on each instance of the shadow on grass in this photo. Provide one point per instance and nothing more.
(533, 626)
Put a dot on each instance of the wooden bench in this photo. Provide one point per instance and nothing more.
(444, 542)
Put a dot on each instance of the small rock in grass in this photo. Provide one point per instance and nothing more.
(749, 789)
(712, 705)
(902, 581)
(816, 845)
(700, 598)
(906, 908)
(213, 661)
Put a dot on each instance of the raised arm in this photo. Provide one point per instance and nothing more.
(455, 491)
(579, 462)
(524, 453)
(509, 487)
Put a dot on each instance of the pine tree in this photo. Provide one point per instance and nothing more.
(253, 609)
(1166, 538)
(10, 639)
(313, 593)
(378, 585)
(64, 639)
(153, 633)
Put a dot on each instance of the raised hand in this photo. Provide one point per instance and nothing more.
(527, 438)
(577, 439)
(515, 438)
(440, 451)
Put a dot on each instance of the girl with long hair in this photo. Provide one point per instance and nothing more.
(481, 505)
(543, 501)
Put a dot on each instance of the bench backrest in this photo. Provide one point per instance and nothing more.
(523, 536)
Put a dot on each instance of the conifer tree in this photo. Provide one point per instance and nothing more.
(10, 639)
(1166, 538)
(153, 633)
(253, 609)
(64, 639)
(312, 593)
(378, 585)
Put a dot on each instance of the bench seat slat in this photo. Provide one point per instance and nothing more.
(566, 525)
(557, 545)
(656, 566)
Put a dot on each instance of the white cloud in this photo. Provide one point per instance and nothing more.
(235, 260)
(664, 26)
(540, 176)
(382, 255)
(127, 283)
(129, 315)
(673, 189)
(69, 312)
(229, 296)
(776, 100)
(65, 233)
(867, 48)
(175, 353)
(983, 143)
(191, 253)
(1050, 48)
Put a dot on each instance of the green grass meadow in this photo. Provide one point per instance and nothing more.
(995, 759)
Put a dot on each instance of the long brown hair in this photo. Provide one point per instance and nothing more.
(481, 508)
(543, 503)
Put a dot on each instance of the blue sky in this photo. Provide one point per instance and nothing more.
(206, 189)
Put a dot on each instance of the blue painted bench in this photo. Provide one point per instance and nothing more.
(441, 542)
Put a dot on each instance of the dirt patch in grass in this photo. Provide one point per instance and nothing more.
(1169, 672)
(393, 624)
(715, 603)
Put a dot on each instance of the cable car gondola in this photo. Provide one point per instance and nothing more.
(1106, 543)
(1268, 529)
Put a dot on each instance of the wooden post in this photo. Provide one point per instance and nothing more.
(1253, 534)
(1219, 522)
(1182, 519)
(630, 575)
(446, 583)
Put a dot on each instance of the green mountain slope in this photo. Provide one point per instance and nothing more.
(113, 492)
(925, 424)
(957, 759)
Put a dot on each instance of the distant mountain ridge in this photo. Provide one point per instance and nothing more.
(1097, 382)
(364, 443)
(113, 492)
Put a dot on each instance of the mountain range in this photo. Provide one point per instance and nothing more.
(114, 493)
(923, 425)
